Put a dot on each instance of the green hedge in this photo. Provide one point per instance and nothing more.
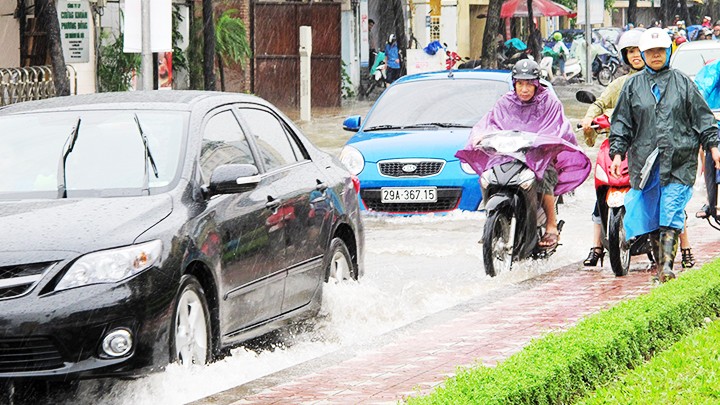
(561, 367)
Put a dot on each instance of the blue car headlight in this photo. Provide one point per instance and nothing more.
(352, 159)
(110, 266)
(467, 168)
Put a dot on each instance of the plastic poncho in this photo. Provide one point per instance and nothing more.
(677, 125)
(579, 48)
(517, 43)
(708, 82)
(555, 143)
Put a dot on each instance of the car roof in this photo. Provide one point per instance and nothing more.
(702, 44)
(477, 74)
(182, 100)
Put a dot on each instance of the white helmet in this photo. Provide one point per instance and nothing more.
(654, 38)
(629, 39)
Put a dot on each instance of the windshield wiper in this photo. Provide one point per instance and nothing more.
(67, 149)
(148, 157)
(382, 127)
(440, 124)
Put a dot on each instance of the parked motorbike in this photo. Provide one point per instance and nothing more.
(610, 192)
(609, 65)
(377, 75)
(515, 218)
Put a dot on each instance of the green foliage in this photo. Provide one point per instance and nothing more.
(687, 373)
(561, 367)
(231, 41)
(348, 91)
(116, 67)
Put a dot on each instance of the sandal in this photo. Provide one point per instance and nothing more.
(688, 260)
(704, 212)
(549, 240)
(596, 253)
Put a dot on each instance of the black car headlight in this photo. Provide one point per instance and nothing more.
(110, 266)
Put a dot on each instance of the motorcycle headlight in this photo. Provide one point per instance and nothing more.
(526, 179)
(110, 266)
(467, 168)
(352, 159)
(487, 177)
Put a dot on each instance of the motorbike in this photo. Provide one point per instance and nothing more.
(609, 65)
(610, 192)
(377, 75)
(711, 210)
(515, 218)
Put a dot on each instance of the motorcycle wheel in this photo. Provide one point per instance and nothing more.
(497, 246)
(618, 250)
(605, 76)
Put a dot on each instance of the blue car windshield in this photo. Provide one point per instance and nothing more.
(106, 159)
(455, 102)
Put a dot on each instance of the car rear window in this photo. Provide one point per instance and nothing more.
(691, 61)
(455, 101)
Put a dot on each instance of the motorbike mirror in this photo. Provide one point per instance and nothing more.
(585, 96)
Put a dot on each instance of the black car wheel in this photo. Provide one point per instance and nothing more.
(617, 248)
(340, 267)
(191, 335)
(497, 246)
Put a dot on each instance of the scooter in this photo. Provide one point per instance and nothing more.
(610, 193)
(377, 74)
(515, 218)
(711, 210)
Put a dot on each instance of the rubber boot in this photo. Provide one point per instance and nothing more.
(654, 238)
(669, 238)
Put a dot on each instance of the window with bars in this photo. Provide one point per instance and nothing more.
(434, 28)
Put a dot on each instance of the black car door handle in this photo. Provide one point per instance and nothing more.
(321, 186)
(272, 204)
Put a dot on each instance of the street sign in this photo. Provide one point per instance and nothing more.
(160, 26)
(74, 17)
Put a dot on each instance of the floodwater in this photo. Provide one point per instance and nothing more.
(415, 266)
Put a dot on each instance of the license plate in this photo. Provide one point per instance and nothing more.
(616, 197)
(408, 194)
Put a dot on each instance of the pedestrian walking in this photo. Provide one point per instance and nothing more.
(660, 121)
(372, 42)
(392, 59)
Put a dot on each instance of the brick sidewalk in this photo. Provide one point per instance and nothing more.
(418, 358)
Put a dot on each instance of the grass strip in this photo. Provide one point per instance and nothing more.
(686, 373)
(562, 367)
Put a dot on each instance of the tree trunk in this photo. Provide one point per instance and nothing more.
(632, 12)
(209, 45)
(534, 40)
(222, 72)
(48, 15)
(488, 60)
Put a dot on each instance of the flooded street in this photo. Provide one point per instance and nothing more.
(415, 266)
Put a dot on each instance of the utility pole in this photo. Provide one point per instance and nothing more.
(588, 44)
(147, 56)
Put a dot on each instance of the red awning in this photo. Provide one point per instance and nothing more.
(541, 8)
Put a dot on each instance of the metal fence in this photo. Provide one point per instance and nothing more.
(30, 83)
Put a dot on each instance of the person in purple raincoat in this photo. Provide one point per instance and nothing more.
(555, 157)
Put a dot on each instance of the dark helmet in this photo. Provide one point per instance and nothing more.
(526, 69)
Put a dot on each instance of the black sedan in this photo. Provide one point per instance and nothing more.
(144, 228)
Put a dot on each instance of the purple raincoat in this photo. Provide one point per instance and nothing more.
(555, 143)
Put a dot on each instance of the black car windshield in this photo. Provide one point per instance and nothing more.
(447, 103)
(107, 158)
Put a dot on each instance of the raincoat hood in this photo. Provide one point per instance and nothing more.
(556, 142)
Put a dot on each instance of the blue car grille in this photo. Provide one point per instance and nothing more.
(408, 168)
(447, 199)
(28, 354)
(18, 280)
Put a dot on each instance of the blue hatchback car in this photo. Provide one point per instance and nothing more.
(404, 151)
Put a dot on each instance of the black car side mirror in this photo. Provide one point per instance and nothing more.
(352, 123)
(233, 178)
(585, 96)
